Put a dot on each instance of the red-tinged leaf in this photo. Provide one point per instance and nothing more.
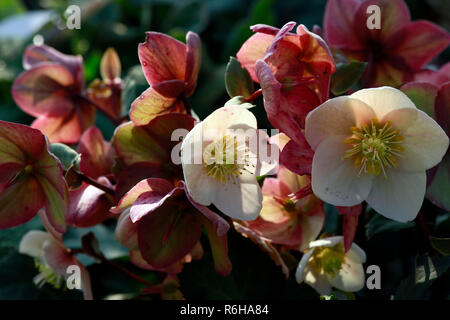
(89, 206)
(297, 157)
(219, 248)
(168, 234)
(338, 24)
(35, 55)
(44, 90)
(20, 202)
(110, 67)
(252, 50)
(126, 231)
(418, 43)
(422, 94)
(134, 173)
(351, 215)
(193, 60)
(67, 129)
(162, 58)
(97, 155)
(394, 15)
(157, 100)
(156, 185)
(442, 108)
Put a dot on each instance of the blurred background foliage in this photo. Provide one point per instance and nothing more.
(399, 249)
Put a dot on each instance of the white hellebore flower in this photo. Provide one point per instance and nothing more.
(374, 145)
(220, 162)
(327, 265)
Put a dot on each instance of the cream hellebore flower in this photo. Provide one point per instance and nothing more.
(327, 265)
(53, 259)
(220, 159)
(374, 145)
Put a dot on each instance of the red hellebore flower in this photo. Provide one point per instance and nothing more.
(395, 51)
(169, 224)
(30, 178)
(171, 68)
(51, 90)
(293, 70)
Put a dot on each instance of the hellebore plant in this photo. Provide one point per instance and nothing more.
(395, 51)
(164, 179)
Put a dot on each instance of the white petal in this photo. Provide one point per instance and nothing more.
(335, 117)
(383, 99)
(241, 199)
(400, 196)
(351, 277)
(32, 243)
(334, 179)
(318, 281)
(300, 272)
(425, 144)
(327, 242)
(356, 254)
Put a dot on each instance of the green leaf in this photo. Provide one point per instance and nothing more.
(379, 224)
(67, 156)
(346, 76)
(426, 270)
(441, 244)
(237, 80)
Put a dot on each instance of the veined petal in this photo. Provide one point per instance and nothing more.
(384, 197)
(252, 50)
(43, 90)
(336, 117)
(338, 24)
(240, 200)
(162, 58)
(383, 100)
(336, 180)
(425, 141)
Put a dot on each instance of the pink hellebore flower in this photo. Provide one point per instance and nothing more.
(284, 219)
(326, 265)
(293, 70)
(51, 89)
(54, 260)
(374, 145)
(394, 51)
(171, 69)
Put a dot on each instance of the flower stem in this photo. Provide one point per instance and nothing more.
(96, 184)
(254, 95)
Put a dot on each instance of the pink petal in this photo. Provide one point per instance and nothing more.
(193, 61)
(338, 24)
(297, 157)
(418, 43)
(252, 50)
(350, 226)
(162, 58)
(96, 154)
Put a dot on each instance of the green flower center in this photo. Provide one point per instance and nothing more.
(374, 147)
(226, 158)
(328, 259)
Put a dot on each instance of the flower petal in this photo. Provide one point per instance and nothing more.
(240, 200)
(336, 180)
(162, 58)
(383, 100)
(384, 196)
(126, 231)
(351, 277)
(336, 117)
(252, 50)
(193, 60)
(32, 243)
